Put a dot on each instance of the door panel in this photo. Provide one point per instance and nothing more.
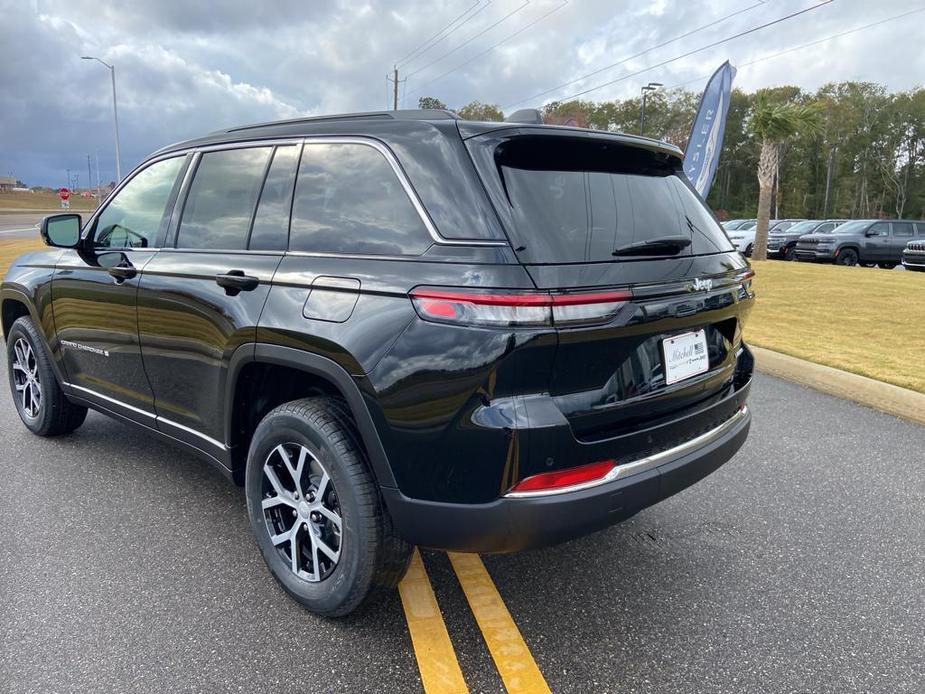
(877, 248)
(95, 287)
(190, 327)
(96, 325)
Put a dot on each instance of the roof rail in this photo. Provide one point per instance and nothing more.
(407, 114)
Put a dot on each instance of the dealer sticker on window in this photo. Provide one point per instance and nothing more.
(685, 356)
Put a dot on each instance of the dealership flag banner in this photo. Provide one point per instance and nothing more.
(706, 140)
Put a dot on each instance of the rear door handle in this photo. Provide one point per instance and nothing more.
(235, 281)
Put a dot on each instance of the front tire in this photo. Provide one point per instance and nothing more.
(886, 266)
(315, 509)
(848, 257)
(42, 405)
(790, 253)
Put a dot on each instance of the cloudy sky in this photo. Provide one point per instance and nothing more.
(185, 68)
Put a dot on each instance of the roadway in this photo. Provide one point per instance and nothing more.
(128, 566)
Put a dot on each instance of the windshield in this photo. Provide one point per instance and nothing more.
(803, 227)
(851, 227)
(578, 200)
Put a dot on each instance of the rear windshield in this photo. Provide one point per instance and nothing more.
(575, 200)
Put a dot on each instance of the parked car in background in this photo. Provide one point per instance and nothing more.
(744, 236)
(733, 224)
(782, 242)
(862, 241)
(914, 253)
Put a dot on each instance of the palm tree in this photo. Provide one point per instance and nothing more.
(774, 124)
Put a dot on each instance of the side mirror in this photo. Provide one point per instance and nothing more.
(61, 230)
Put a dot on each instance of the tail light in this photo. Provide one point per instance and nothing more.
(560, 480)
(503, 308)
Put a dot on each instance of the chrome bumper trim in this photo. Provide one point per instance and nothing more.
(642, 464)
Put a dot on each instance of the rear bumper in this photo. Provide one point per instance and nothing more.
(510, 524)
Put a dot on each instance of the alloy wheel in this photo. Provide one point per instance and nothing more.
(26, 378)
(302, 512)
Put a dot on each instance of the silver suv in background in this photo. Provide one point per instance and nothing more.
(782, 241)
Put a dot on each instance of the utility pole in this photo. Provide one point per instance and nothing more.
(98, 192)
(89, 174)
(395, 82)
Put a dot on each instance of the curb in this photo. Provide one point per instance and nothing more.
(885, 397)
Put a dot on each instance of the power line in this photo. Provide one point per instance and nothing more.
(643, 52)
(473, 38)
(429, 43)
(806, 45)
(689, 53)
(494, 46)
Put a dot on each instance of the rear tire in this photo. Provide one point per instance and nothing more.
(42, 405)
(310, 493)
(848, 257)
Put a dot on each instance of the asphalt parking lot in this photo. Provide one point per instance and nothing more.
(20, 225)
(128, 566)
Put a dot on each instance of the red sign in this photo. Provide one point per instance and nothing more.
(64, 193)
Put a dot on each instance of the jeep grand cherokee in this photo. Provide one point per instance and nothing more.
(398, 329)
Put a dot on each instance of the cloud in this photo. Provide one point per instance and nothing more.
(186, 68)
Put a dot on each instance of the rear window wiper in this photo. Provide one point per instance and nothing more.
(663, 245)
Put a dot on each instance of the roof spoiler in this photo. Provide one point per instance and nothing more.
(531, 116)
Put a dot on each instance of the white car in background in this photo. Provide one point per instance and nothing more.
(743, 238)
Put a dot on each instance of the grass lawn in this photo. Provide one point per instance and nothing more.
(867, 321)
(42, 201)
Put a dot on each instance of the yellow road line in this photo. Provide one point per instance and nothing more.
(440, 671)
(512, 657)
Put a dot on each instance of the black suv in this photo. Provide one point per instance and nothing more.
(866, 241)
(782, 242)
(397, 329)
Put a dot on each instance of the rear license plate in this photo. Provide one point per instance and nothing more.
(685, 356)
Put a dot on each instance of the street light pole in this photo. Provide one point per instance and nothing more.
(115, 111)
(650, 87)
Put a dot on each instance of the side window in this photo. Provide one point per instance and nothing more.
(271, 223)
(134, 217)
(349, 200)
(920, 228)
(221, 199)
(880, 229)
(824, 228)
(903, 229)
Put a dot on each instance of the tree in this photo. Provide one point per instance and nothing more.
(476, 110)
(431, 102)
(773, 124)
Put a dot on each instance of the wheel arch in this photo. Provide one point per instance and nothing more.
(310, 373)
(15, 304)
(12, 308)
